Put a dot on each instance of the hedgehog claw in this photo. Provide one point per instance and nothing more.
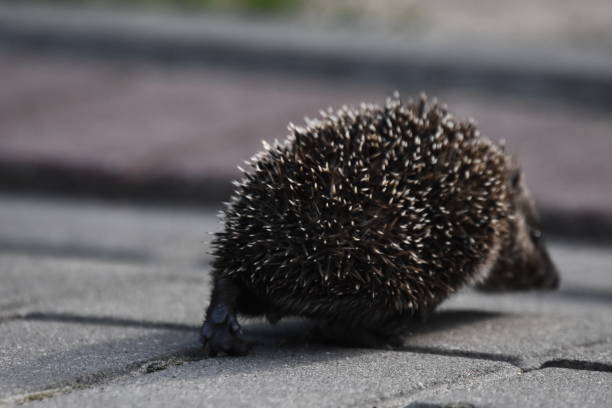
(221, 333)
(235, 327)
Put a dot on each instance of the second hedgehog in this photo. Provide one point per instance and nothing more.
(368, 217)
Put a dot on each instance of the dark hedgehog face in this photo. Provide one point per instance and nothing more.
(524, 262)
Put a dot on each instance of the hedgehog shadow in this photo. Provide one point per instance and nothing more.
(297, 332)
(447, 319)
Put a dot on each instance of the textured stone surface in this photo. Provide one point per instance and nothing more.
(288, 378)
(526, 338)
(35, 355)
(125, 233)
(97, 323)
(543, 388)
(92, 288)
(596, 356)
(587, 271)
(530, 328)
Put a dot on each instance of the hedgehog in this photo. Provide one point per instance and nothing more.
(368, 218)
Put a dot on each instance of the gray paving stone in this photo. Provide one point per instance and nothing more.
(73, 319)
(92, 288)
(527, 339)
(531, 328)
(124, 294)
(70, 321)
(583, 267)
(287, 378)
(589, 357)
(35, 356)
(43, 226)
(520, 326)
(553, 388)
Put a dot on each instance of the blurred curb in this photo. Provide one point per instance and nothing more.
(75, 182)
(285, 47)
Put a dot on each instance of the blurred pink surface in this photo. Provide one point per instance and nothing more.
(140, 121)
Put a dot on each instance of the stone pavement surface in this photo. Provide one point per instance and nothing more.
(100, 305)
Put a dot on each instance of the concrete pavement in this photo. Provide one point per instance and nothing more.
(97, 327)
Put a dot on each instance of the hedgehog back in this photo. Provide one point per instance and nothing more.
(366, 214)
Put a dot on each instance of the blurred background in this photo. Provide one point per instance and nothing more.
(157, 101)
(122, 123)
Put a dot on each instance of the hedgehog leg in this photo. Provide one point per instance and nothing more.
(220, 331)
(425, 312)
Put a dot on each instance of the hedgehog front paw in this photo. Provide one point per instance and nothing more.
(221, 333)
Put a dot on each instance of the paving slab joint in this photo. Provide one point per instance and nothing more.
(191, 355)
(451, 405)
(548, 360)
(411, 399)
(87, 381)
(101, 321)
(33, 396)
(577, 365)
(503, 358)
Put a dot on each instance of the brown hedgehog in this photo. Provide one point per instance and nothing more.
(367, 217)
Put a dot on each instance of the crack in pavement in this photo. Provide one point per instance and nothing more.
(191, 354)
(553, 363)
(577, 365)
(517, 361)
(476, 355)
(101, 377)
(488, 376)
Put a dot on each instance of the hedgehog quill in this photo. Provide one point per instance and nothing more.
(367, 218)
